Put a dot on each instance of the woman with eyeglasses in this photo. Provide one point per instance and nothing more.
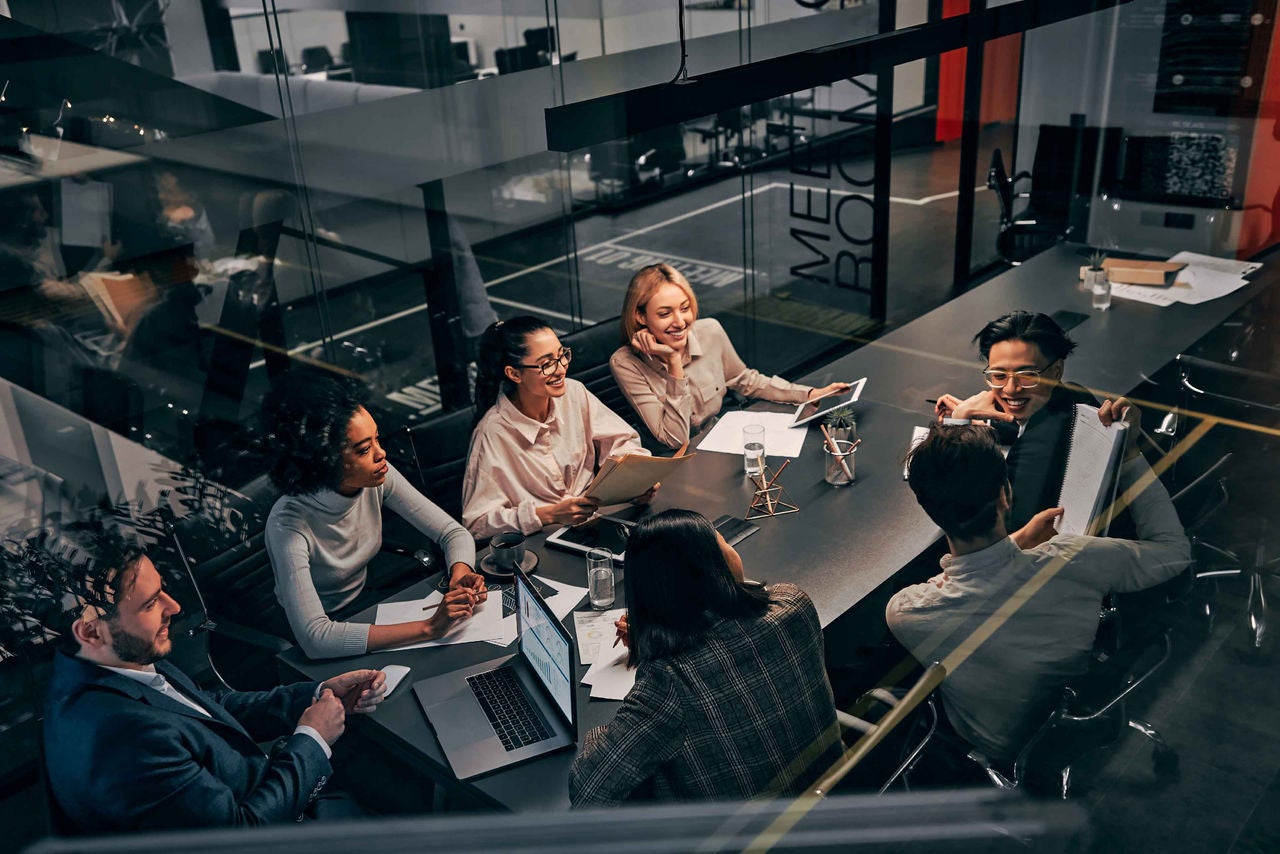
(1030, 406)
(539, 438)
(731, 699)
(675, 369)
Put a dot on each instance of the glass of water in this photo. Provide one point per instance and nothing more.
(1102, 291)
(600, 578)
(753, 449)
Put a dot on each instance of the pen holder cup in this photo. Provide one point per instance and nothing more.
(840, 469)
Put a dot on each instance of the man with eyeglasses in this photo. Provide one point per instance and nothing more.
(1030, 406)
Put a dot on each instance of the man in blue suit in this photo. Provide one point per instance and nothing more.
(131, 743)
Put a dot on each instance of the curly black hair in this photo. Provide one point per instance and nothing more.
(305, 418)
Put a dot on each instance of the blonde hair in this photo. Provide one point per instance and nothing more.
(644, 284)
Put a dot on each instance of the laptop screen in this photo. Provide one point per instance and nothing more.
(545, 645)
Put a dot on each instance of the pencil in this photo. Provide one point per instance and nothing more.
(835, 449)
(778, 473)
(433, 607)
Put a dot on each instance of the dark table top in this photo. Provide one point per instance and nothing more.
(844, 542)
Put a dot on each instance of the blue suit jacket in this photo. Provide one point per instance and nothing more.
(123, 756)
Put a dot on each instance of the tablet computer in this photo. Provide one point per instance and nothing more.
(602, 532)
(821, 406)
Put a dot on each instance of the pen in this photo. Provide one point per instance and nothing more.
(932, 400)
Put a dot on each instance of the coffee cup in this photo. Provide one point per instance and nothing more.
(507, 550)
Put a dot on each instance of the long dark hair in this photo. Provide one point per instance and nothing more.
(678, 585)
(305, 416)
(503, 343)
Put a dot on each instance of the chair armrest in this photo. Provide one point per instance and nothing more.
(253, 637)
(422, 556)
(849, 722)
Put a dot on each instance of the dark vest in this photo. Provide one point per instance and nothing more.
(1038, 459)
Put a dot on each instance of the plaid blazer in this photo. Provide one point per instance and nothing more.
(747, 713)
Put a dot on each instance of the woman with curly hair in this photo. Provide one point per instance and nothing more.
(320, 535)
(540, 437)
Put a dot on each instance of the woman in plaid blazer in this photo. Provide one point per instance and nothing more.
(731, 699)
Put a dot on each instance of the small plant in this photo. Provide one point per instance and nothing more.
(1096, 257)
(841, 418)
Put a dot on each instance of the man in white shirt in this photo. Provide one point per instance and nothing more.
(132, 743)
(1013, 616)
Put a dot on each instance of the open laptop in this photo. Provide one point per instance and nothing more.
(503, 712)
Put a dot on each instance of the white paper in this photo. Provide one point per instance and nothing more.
(1145, 293)
(1206, 284)
(595, 632)
(610, 678)
(1229, 266)
(779, 439)
(86, 213)
(1088, 471)
(562, 604)
(485, 622)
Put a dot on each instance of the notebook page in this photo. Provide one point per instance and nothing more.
(1091, 462)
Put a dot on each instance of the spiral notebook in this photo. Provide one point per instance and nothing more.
(1094, 455)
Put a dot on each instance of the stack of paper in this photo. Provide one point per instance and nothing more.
(779, 439)
(485, 622)
(1204, 278)
(596, 632)
(610, 678)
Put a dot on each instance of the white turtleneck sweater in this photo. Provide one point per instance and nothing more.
(320, 546)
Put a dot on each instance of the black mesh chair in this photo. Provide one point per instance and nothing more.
(1090, 715)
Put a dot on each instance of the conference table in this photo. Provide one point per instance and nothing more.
(843, 543)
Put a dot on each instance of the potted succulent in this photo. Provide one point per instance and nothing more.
(1094, 271)
(842, 425)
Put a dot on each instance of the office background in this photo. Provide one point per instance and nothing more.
(199, 196)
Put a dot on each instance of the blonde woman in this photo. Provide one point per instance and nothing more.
(675, 369)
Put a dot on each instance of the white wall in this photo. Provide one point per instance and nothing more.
(298, 30)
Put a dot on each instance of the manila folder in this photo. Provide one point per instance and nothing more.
(624, 479)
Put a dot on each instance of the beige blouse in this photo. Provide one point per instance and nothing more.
(517, 464)
(672, 409)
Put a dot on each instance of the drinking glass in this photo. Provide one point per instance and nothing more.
(753, 453)
(840, 469)
(600, 578)
(1102, 291)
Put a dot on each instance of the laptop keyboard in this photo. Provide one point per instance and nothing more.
(516, 721)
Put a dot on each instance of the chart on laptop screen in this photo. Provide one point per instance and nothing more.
(546, 650)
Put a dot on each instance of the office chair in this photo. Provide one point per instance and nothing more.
(907, 712)
(1242, 394)
(316, 59)
(1088, 716)
(509, 60)
(1021, 234)
(542, 40)
(272, 61)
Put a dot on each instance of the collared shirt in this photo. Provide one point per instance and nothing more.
(517, 463)
(155, 680)
(672, 408)
(997, 692)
